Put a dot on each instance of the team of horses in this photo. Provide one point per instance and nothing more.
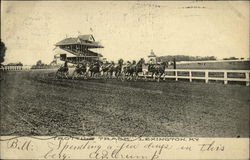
(121, 71)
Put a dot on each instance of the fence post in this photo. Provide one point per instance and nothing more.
(206, 76)
(190, 76)
(225, 77)
(176, 75)
(247, 78)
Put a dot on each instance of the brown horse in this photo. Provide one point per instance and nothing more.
(63, 71)
(133, 70)
(95, 69)
(118, 69)
(158, 70)
(81, 69)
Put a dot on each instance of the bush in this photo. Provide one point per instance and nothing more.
(2, 51)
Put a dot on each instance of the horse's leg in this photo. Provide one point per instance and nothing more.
(159, 77)
(57, 72)
(133, 76)
(111, 74)
(124, 76)
(136, 76)
(78, 74)
(119, 76)
(99, 75)
(67, 74)
(63, 75)
(104, 75)
(73, 74)
(130, 76)
(107, 74)
(153, 75)
(85, 75)
(145, 75)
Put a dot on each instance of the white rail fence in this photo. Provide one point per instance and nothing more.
(15, 68)
(209, 75)
(193, 74)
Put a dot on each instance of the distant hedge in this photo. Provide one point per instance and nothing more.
(185, 58)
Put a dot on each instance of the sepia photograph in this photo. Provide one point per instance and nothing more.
(142, 69)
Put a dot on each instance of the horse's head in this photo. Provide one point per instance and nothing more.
(164, 64)
(120, 62)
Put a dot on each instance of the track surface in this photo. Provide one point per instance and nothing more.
(36, 103)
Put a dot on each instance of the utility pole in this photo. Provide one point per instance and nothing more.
(174, 63)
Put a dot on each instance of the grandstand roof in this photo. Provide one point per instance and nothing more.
(85, 40)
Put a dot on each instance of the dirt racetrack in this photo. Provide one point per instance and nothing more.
(36, 103)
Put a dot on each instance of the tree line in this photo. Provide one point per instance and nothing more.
(184, 58)
(178, 58)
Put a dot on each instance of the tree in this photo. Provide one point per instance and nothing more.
(2, 51)
(15, 64)
(19, 64)
(39, 63)
(185, 58)
(231, 58)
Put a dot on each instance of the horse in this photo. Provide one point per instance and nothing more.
(95, 69)
(81, 69)
(133, 70)
(111, 69)
(158, 70)
(129, 70)
(104, 69)
(118, 69)
(63, 71)
(139, 68)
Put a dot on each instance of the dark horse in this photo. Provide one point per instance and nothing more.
(95, 69)
(118, 69)
(133, 70)
(63, 71)
(81, 69)
(158, 70)
(105, 69)
(129, 70)
(108, 69)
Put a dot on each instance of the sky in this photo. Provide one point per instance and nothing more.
(127, 30)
